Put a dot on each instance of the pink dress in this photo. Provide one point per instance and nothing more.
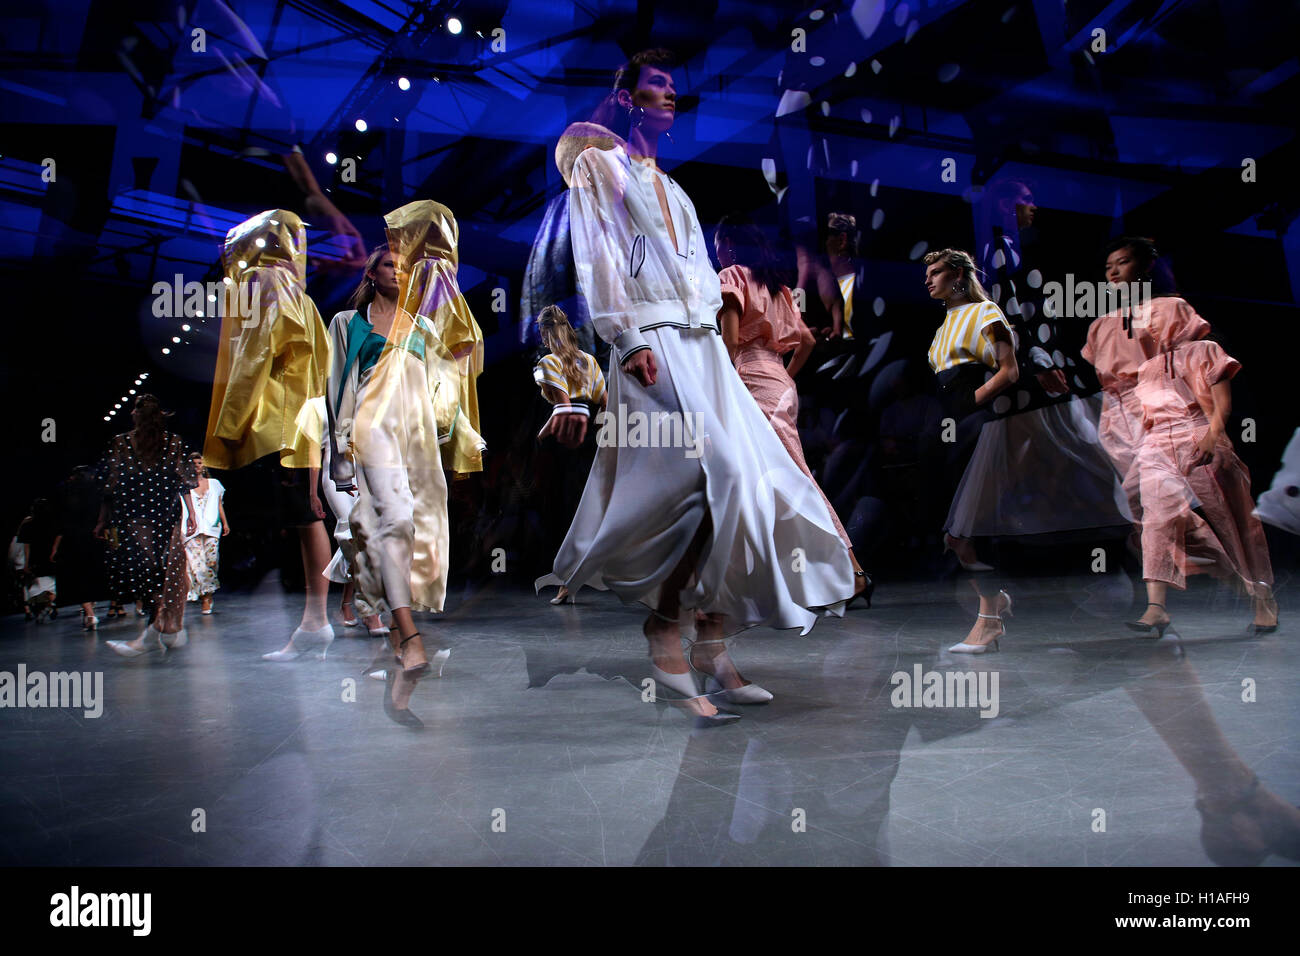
(1117, 345)
(770, 328)
(1202, 511)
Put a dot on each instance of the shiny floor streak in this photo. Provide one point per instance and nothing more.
(538, 749)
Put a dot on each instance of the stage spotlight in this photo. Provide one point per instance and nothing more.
(332, 158)
(403, 84)
(453, 26)
(361, 126)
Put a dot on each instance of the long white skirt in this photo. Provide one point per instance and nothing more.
(774, 555)
(1038, 472)
(399, 523)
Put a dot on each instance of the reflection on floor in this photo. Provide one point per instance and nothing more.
(537, 748)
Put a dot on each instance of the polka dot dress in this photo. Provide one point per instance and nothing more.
(148, 563)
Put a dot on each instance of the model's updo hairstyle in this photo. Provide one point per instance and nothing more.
(961, 260)
(609, 113)
(1150, 263)
(364, 293)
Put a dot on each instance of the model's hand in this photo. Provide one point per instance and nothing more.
(225, 530)
(316, 508)
(99, 531)
(1053, 382)
(642, 367)
(322, 213)
(1206, 448)
(191, 526)
(569, 428)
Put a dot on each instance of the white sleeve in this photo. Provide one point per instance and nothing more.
(603, 241)
(340, 418)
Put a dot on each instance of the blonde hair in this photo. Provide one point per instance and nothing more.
(961, 260)
(557, 335)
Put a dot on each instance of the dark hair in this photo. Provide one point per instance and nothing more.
(1149, 262)
(147, 436)
(364, 293)
(752, 250)
(609, 113)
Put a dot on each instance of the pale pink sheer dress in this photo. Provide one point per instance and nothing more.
(1188, 509)
(769, 329)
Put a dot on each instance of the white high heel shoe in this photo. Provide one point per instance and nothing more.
(746, 693)
(303, 641)
(964, 648)
(171, 641)
(151, 644)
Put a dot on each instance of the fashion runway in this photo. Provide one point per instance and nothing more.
(537, 748)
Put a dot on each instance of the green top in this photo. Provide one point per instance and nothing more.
(366, 347)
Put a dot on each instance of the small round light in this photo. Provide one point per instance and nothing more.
(243, 264)
(261, 243)
(167, 351)
(212, 298)
(107, 418)
(117, 405)
(403, 83)
(360, 124)
(453, 25)
(331, 158)
(176, 339)
(185, 328)
(130, 391)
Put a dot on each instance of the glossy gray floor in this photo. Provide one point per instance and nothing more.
(538, 749)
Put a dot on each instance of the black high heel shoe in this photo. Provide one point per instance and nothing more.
(1148, 629)
(864, 593)
(395, 681)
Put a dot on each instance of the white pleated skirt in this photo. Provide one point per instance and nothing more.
(774, 557)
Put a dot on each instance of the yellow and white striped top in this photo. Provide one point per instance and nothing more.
(961, 339)
(591, 388)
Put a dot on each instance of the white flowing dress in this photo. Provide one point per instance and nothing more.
(774, 556)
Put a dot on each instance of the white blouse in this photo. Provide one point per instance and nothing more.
(632, 275)
(207, 509)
